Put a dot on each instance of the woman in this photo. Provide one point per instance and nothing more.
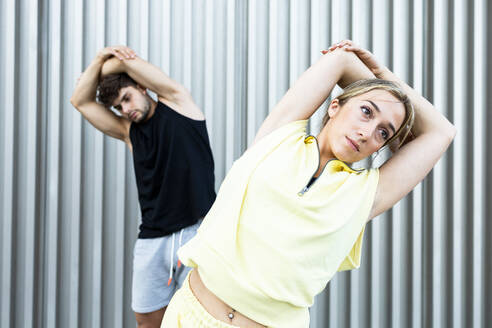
(291, 212)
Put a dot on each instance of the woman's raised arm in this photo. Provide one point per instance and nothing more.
(313, 87)
(432, 131)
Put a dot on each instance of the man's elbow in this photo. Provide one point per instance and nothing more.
(180, 94)
(76, 102)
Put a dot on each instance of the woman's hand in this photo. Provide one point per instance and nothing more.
(120, 52)
(364, 55)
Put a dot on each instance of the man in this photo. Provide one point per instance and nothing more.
(173, 164)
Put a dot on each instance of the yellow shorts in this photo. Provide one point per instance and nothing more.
(185, 311)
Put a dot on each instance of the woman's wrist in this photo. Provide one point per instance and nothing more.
(353, 69)
(386, 74)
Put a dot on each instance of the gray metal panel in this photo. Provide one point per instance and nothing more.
(461, 173)
(480, 153)
(68, 197)
(8, 163)
(416, 232)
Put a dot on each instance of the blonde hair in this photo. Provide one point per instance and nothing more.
(364, 86)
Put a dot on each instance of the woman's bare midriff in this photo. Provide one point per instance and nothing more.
(216, 307)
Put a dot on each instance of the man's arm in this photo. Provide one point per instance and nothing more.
(84, 100)
(153, 78)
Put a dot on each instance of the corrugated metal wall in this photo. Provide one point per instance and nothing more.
(68, 200)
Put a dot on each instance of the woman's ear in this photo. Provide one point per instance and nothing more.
(334, 108)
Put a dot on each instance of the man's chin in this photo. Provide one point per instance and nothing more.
(142, 118)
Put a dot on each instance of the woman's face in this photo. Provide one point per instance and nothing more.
(363, 124)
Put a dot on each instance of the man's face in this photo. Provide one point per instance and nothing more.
(133, 103)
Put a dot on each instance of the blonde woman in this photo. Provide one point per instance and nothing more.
(291, 211)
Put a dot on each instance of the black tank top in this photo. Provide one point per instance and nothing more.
(174, 169)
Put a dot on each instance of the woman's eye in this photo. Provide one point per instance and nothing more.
(366, 110)
(384, 134)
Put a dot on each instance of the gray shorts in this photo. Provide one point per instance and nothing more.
(154, 262)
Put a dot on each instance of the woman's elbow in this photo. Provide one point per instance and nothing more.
(445, 135)
(443, 129)
(450, 131)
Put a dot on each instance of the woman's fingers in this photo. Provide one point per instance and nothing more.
(348, 45)
(344, 44)
(364, 55)
(357, 50)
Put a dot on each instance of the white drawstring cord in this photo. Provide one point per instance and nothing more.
(171, 264)
(180, 238)
(172, 256)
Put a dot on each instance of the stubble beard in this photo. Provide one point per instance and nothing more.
(144, 112)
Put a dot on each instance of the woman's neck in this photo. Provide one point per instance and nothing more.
(325, 151)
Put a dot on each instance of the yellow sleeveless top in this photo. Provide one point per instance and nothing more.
(269, 245)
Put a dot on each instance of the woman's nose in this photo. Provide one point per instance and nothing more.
(366, 131)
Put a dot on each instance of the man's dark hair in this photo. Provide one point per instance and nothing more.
(109, 87)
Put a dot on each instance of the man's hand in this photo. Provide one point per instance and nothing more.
(120, 52)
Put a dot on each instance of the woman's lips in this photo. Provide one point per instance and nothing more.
(353, 144)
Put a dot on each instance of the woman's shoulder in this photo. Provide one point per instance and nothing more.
(295, 128)
(291, 132)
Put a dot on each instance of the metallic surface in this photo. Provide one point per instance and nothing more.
(68, 201)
